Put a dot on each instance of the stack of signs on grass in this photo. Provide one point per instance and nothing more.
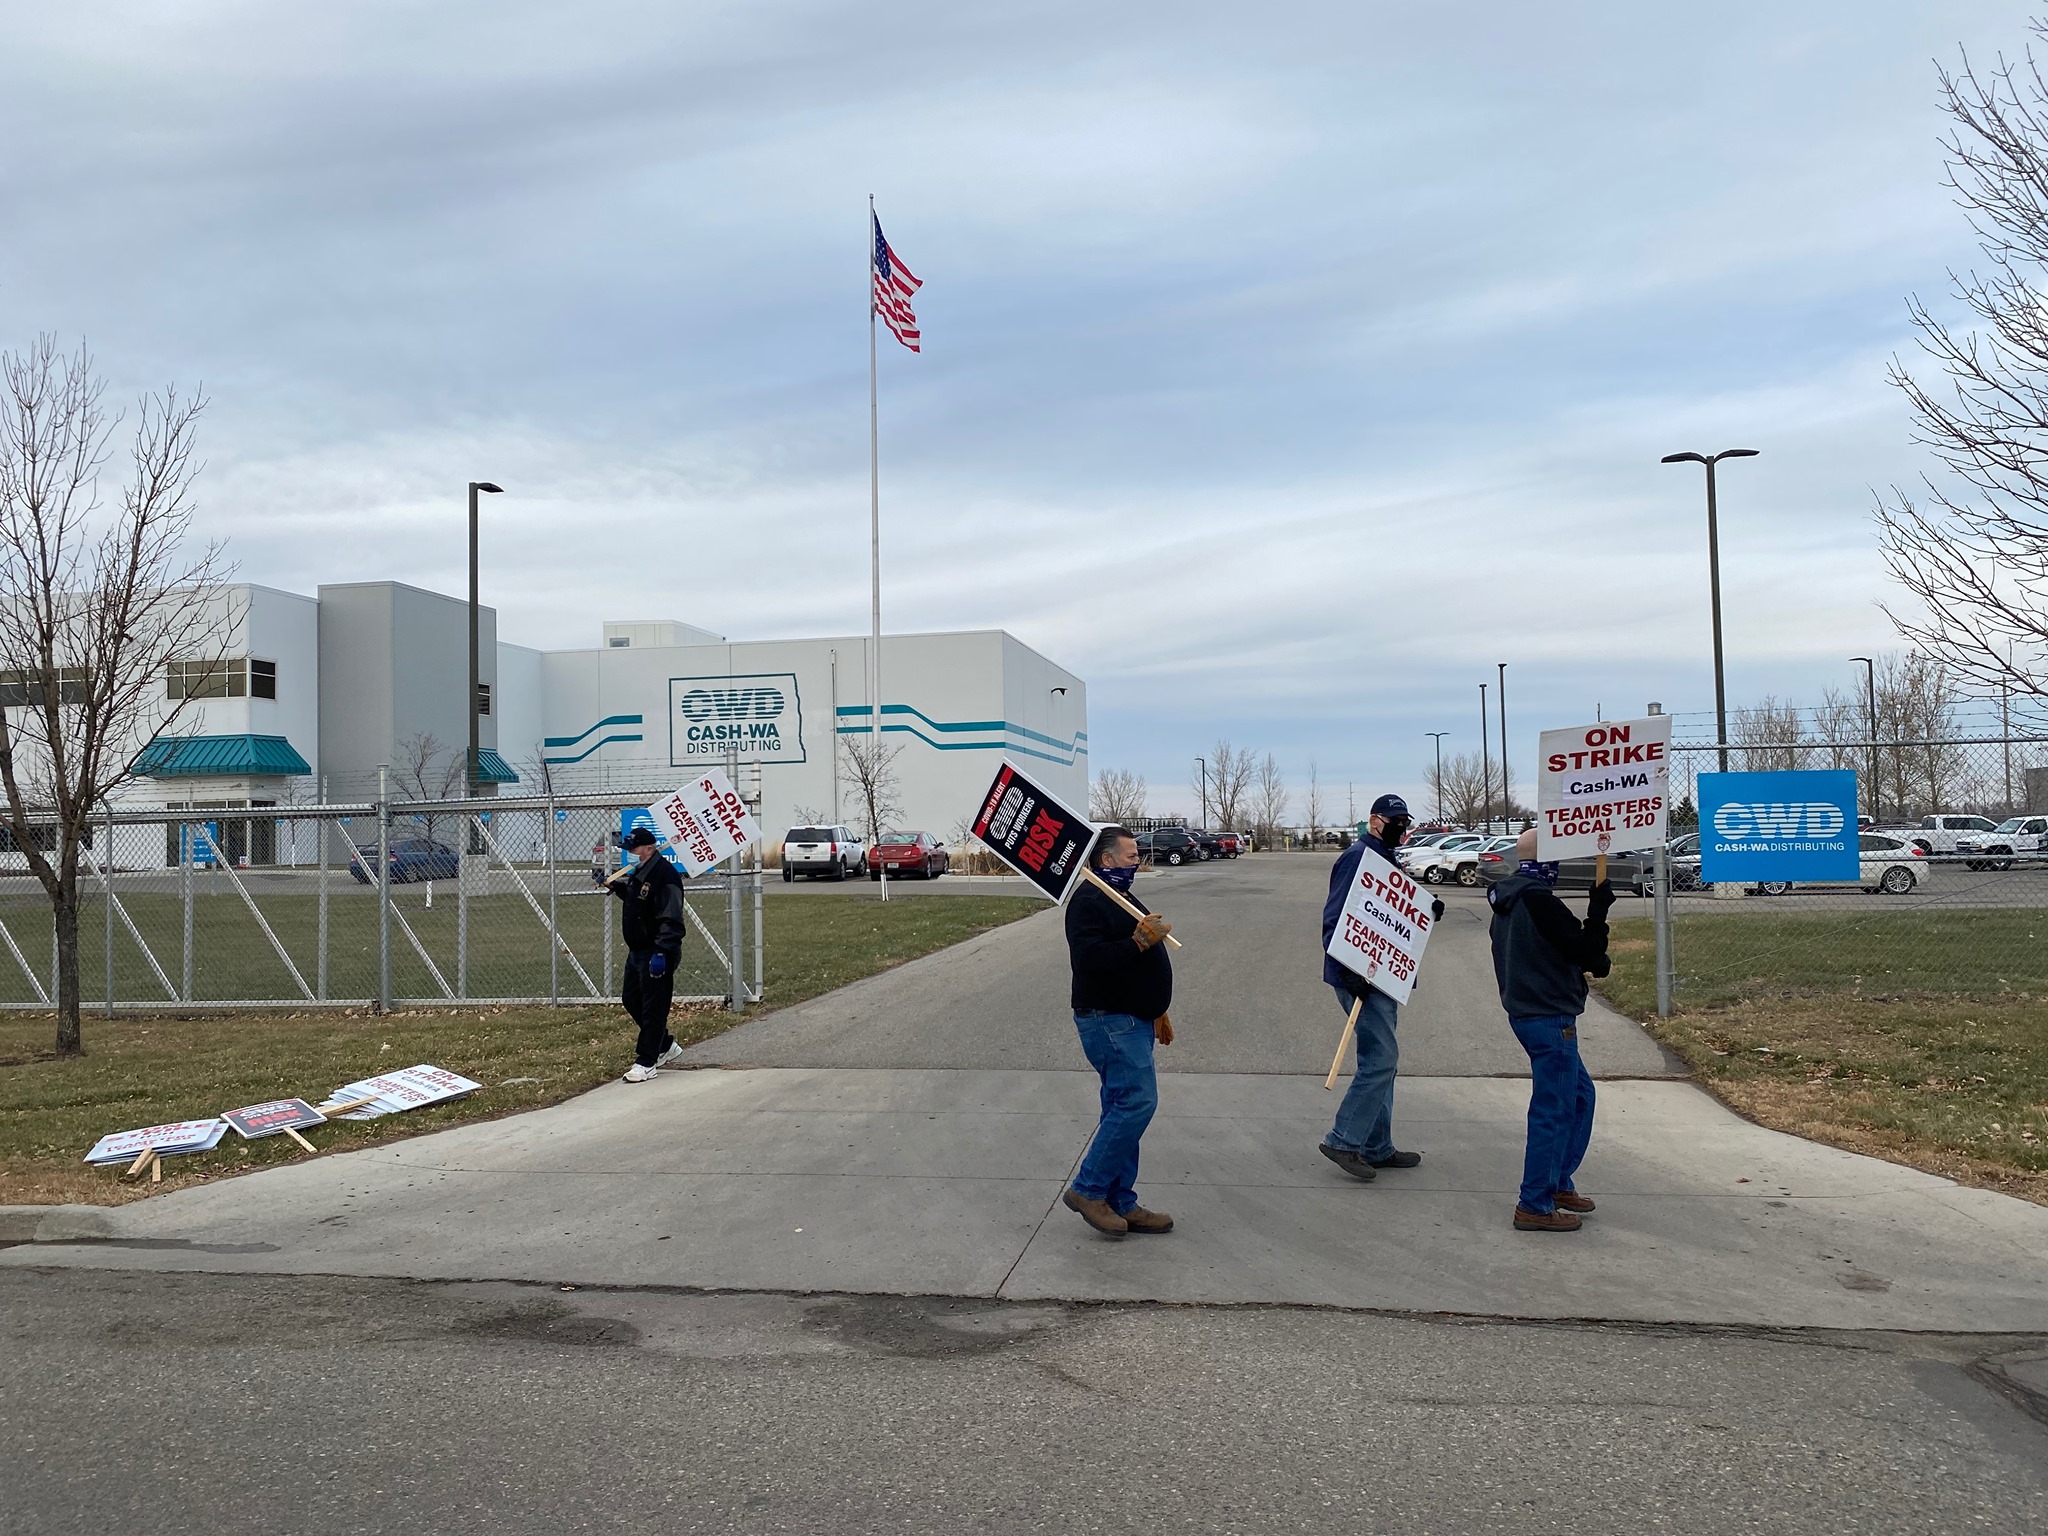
(1604, 788)
(393, 1092)
(705, 822)
(277, 1117)
(163, 1140)
(1383, 927)
(1033, 833)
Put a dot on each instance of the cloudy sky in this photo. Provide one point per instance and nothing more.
(1286, 367)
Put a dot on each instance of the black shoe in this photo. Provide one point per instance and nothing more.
(1350, 1162)
(1397, 1160)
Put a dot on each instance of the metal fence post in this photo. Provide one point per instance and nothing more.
(1661, 921)
(320, 979)
(735, 878)
(107, 875)
(554, 927)
(384, 887)
(185, 896)
(462, 858)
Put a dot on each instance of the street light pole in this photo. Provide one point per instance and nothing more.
(1714, 580)
(1205, 789)
(1870, 697)
(1439, 738)
(1506, 797)
(473, 774)
(1485, 766)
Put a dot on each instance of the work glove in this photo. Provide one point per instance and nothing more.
(1599, 900)
(1162, 1029)
(1436, 909)
(657, 965)
(1151, 929)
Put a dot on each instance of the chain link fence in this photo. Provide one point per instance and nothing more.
(382, 904)
(1952, 895)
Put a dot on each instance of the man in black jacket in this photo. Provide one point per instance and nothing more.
(1541, 954)
(1123, 984)
(653, 928)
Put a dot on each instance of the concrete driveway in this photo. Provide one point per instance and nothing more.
(910, 1134)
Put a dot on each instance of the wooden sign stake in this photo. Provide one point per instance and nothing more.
(341, 1109)
(1120, 899)
(141, 1162)
(1350, 1025)
(156, 1167)
(295, 1136)
(1599, 867)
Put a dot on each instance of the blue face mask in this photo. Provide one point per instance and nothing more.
(1118, 879)
(1541, 873)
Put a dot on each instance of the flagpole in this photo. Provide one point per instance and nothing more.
(874, 774)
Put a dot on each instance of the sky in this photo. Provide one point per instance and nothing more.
(1286, 368)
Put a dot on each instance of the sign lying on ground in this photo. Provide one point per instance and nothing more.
(1033, 833)
(164, 1140)
(1792, 825)
(1384, 927)
(279, 1115)
(408, 1088)
(705, 822)
(1604, 788)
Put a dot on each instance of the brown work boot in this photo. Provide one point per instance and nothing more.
(1096, 1213)
(1527, 1220)
(1572, 1200)
(1138, 1219)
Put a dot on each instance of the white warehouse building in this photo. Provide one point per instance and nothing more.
(317, 692)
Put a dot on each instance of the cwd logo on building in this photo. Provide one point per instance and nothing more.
(755, 717)
(1779, 826)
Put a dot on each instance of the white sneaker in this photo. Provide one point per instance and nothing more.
(639, 1074)
(672, 1054)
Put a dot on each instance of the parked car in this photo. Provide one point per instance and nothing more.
(418, 858)
(1942, 834)
(1885, 861)
(1462, 864)
(833, 852)
(1229, 845)
(1634, 871)
(906, 854)
(1169, 845)
(1211, 842)
(2019, 836)
(1428, 864)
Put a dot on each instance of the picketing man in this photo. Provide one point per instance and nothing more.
(652, 925)
(1361, 1142)
(1541, 954)
(1123, 985)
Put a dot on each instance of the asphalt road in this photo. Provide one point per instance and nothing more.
(195, 1403)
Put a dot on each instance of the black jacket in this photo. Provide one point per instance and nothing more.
(1541, 952)
(653, 919)
(1110, 972)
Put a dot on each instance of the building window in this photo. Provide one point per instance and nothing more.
(19, 689)
(483, 698)
(262, 679)
(621, 642)
(212, 679)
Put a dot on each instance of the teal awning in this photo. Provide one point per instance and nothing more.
(186, 757)
(493, 769)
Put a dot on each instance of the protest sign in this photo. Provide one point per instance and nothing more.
(1033, 833)
(278, 1116)
(705, 822)
(1604, 788)
(1383, 927)
(393, 1092)
(178, 1136)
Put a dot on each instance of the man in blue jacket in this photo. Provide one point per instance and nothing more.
(1362, 1140)
(1123, 985)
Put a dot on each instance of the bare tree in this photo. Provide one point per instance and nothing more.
(1769, 734)
(426, 770)
(1312, 806)
(1973, 551)
(1231, 772)
(1268, 801)
(1117, 796)
(870, 767)
(94, 604)
(1460, 789)
(1916, 702)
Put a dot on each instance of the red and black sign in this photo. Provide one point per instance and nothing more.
(270, 1119)
(1033, 833)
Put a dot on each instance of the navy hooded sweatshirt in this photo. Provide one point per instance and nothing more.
(1541, 953)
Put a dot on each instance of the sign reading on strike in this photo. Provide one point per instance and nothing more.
(707, 821)
(179, 1136)
(1604, 788)
(407, 1088)
(1383, 928)
(1033, 833)
(256, 1120)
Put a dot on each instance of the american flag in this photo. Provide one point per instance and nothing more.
(894, 284)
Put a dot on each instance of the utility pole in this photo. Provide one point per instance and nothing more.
(1439, 738)
(1714, 581)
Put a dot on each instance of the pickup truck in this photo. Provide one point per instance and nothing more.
(2016, 837)
(1942, 834)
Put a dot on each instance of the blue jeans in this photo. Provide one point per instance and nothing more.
(1119, 1047)
(1365, 1120)
(1560, 1108)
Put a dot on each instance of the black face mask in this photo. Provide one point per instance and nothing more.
(1394, 829)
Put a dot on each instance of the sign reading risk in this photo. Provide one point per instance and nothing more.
(1604, 788)
(1033, 833)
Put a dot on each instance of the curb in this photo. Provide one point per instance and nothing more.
(54, 1223)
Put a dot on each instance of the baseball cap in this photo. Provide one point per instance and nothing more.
(640, 837)
(1390, 805)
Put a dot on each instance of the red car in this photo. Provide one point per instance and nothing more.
(1229, 845)
(906, 854)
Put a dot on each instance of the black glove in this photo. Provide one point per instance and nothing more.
(1599, 900)
(1436, 909)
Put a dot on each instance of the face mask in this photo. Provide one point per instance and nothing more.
(1541, 873)
(1392, 832)
(1118, 879)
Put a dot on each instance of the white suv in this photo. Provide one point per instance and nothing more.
(833, 852)
(2022, 835)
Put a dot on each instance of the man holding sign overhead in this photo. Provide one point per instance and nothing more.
(1361, 1142)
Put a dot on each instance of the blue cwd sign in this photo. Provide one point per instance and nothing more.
(1797, 825)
